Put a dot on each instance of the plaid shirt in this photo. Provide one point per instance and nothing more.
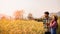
(46, 22)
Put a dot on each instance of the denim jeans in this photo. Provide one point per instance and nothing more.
(53, 30)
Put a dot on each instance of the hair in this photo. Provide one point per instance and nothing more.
(56, 17)
(46, 12)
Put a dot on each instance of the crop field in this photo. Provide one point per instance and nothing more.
(22, 27)
(58, 31)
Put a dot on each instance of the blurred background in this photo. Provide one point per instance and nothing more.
(14, 14)
(36, 7)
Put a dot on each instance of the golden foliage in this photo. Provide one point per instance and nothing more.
(21, 27)
(18, 14)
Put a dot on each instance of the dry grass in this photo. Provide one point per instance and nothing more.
(58, 31)
(21, 27)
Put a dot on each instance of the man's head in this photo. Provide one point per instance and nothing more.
(46, 14)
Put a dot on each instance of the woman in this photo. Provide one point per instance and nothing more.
(54, 24)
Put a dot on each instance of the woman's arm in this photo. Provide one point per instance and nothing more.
(52, 24)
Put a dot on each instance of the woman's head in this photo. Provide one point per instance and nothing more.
(55, 17)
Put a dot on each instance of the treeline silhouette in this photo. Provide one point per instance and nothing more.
(19, 15)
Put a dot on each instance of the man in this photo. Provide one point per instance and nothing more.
(46, 21)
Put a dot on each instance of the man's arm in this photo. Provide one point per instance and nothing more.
(38, 19)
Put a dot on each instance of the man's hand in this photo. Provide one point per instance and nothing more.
(47, 24)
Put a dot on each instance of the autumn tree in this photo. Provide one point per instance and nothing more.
(18, 14)
(2, 16)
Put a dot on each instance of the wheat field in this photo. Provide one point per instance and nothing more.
(21, 27)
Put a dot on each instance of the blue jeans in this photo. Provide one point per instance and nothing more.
(53, 30)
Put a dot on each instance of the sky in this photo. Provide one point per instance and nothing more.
(36, 7)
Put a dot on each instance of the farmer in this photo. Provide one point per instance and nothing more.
(46, 21)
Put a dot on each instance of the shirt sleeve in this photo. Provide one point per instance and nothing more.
(53, 24)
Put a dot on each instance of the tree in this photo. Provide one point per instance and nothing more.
(30, 16)
(18, 14)
(2, 16)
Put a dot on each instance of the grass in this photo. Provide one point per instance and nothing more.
(58, 31)
(22, 27)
